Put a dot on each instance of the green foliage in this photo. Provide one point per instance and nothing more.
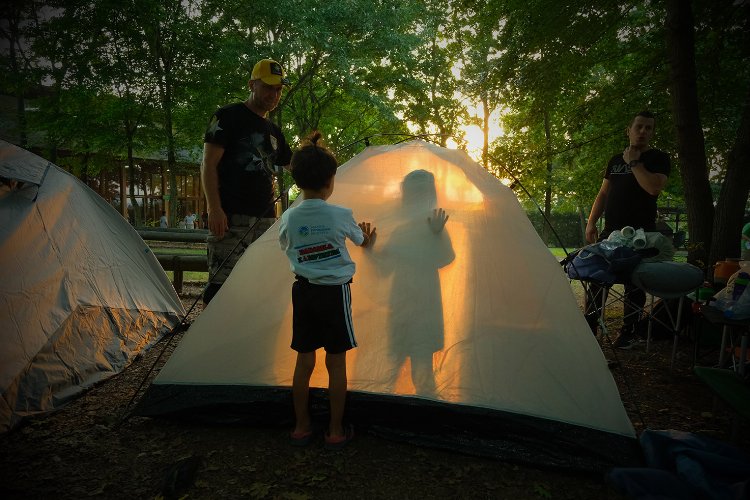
(567, 228)
(144, 77)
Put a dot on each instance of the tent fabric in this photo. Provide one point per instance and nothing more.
(478, 321)
(81, 294)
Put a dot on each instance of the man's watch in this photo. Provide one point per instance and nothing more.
(634, 163)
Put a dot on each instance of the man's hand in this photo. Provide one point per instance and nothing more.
(217, 222)
(438, 220)
(592, 234)
(631, 153)
(369, 233)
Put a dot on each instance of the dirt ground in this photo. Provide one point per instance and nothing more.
(86, 450)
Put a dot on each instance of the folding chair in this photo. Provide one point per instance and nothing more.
(599, 293)
(600, 296)
(667, 280)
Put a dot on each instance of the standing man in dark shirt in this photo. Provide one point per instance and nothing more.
(242, 152)
(631, 186)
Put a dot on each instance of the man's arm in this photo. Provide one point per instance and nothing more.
(652, 183)
(597, 209)
(217, 219)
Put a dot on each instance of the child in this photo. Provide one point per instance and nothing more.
(313, 234)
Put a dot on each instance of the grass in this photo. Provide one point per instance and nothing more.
(178, 251)
(194, 276)
(190, 276)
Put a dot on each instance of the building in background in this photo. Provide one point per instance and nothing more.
(139, 194)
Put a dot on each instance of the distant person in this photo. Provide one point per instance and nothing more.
(242, 152)
(632, 183)
(163, 219)
(313, 234)
(204, 220)
(190, 221)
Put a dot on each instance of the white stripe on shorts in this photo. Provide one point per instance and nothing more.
(347, 302)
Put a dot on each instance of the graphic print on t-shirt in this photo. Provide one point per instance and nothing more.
(319, 251)
(621, 169)
(252, 156)
(213, 127)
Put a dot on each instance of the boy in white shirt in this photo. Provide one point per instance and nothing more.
(313, 234)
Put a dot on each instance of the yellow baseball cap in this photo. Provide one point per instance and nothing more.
(270, 72)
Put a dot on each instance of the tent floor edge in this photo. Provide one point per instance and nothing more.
(474, 431)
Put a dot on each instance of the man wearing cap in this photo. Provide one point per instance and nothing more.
(242, 152)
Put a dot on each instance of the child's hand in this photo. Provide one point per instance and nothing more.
(369, 234)
(438, 220)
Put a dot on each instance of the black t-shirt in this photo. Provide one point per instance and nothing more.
(253, 146)
(628, 204)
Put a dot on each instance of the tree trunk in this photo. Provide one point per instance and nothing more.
(13, 16)
(132, 183)
(165, 197)
(166, 94)
(680, 42)
(732, 202)
(485, 130)
(123, 192)
(548, 179)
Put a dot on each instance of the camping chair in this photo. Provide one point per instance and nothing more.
(673, 324)
(665, 280)
(599, 269)
(600, 296)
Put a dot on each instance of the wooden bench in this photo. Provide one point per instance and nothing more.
(178, 263)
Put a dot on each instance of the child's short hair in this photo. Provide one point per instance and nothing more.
(313, 164)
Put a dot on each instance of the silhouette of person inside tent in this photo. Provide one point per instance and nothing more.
(422, 246)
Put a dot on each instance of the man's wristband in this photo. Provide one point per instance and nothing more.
(634, 163)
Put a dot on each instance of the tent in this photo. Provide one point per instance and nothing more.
(469, 340)
(80, 292)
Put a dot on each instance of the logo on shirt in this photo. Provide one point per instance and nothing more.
(303, 230)
(621, 169)
(317, 252)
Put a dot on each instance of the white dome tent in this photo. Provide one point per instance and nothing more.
(80, 292)
(471, 340)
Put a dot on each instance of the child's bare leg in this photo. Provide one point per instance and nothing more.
(301, 390)
(336, 365)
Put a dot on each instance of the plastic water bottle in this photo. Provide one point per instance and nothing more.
(740, 284)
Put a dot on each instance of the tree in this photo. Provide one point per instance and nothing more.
(17, 23)
(426, 93)
(170, 33)
(713, 233)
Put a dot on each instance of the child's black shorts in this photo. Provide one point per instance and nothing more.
(322, 317)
